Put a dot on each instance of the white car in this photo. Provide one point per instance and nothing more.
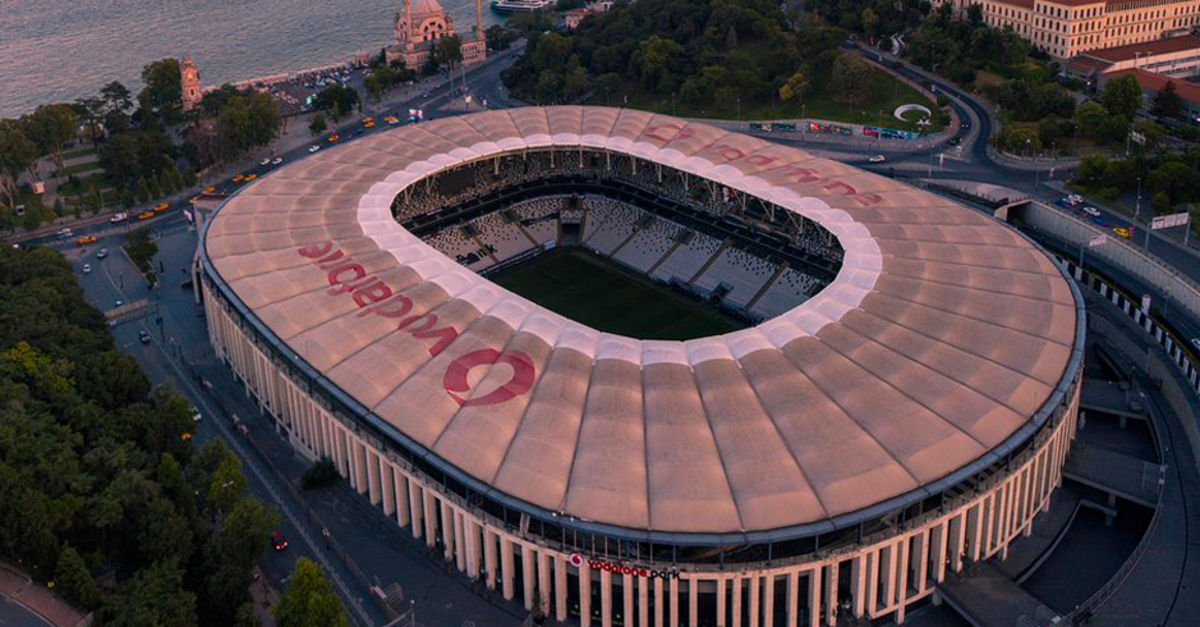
(877, 159)
(196, 417)
(314, 148)
(118, 303)
(266, 161)
(1092, 211)
(87, 268)
(277, 161)
(118, 217)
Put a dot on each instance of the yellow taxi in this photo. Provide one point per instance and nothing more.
(391, 119)
(369, 125)
(145, 215)
(160, 207)
(333, 138)
(250, 177)
(1124, 232)
(87, 239)
(239, 178)
(210, 190)
(368, 120)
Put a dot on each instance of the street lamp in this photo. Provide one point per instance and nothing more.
(1137, 208)
(739, 109)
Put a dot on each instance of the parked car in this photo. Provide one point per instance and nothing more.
(277, 161)
(265, 162)
(144, 337)
(314, 148)
(877, 159)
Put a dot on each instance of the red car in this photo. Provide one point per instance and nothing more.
(278, 541)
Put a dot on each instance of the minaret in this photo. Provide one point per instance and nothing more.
(479, 19)
(408, 24)
(189, 83)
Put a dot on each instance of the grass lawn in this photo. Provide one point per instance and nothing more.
(884, 94)
(607, 297)
(79, 152)
(80, 168)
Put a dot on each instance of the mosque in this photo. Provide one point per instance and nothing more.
(422, 23)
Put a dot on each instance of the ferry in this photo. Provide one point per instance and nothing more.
(521, 6)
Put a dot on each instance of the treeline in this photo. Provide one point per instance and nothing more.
(711, 53)
(100, 490)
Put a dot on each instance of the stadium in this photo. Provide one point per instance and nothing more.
(631, 369)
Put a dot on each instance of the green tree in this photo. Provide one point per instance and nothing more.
(851, 76)
(310, 600)
(796, 85)
(16, 154)
(162, 94)
(1123, 96)
(1092, 119)
(240, 542)
(448, 50)
(1168, 103)
(655, 60)
(74, 580)
(51, 127)
(870, 23)
(141, 248)
(117, 97)
(154, 596)
(317, 125)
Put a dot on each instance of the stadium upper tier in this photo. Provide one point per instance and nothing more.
(942, 344)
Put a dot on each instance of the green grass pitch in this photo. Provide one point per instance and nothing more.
(607, 297)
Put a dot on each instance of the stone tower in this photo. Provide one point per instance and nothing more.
(189, 79)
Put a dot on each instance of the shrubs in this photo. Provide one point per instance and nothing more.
(320, 474)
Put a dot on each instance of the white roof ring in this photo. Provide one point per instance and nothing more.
(945, 339)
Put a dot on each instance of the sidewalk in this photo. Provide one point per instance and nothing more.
(16, 585)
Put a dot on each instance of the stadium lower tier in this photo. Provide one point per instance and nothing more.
(581, 576)
(712, 268)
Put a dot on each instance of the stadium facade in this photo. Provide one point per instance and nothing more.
(911, 414)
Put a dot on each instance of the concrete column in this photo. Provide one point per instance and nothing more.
(447, 531)
(627, 610)
(831, 593)
(793, 598)
(974, 531)
(872, 582)
(643, 602)
(736, 619)
(954, 543)
(507, 576)
(768, 601)
(814, 597)
(673, 603)
(460, 543)
(887, 573)
(585, 594)
(920, 561)
(858, 583)
(490, 562)
(560, 589)
(471, 546)
(399, 484)
(693, 602)
(722, 614)
(902, 557)
(992, 515)
(755, 597)
(528, 569)
(545, 589)
(605, 598)
(374, 491)
(386, 473)
(658, 602)
(414, 506)
(358, 454)
(937, 544)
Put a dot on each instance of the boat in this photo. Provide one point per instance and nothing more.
(521, 6)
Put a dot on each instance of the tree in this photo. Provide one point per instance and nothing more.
(74, 580)
(16, 154)
(310, 600)
(1123, 96)
(317, 125)
(240, 543)
(162, 94)
(1168, 103)
(448, 50)
(140, 247)
(155, 596)
(796, 85)
(851, 76)
(117, 97)
(336, 94)
(1092, 119)
(91, 112)
(870, 23)
(655, 61)
(51, 127)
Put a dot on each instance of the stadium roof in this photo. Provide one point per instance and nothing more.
(941, 336)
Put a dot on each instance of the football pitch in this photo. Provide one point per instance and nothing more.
(607, 297)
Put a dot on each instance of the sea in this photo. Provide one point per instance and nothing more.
(60, 50)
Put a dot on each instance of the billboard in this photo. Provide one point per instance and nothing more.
(1169, 221)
